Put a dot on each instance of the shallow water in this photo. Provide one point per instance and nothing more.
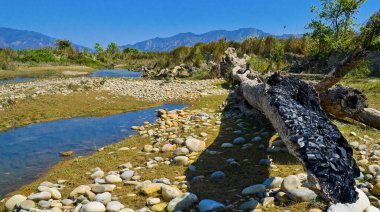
(27, 152)
(17, 79)
(116, 73)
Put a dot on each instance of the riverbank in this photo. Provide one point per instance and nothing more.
(239, 153)
(52, 99)
(45, 72)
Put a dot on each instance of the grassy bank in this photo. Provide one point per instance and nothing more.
(44, 71)
(53, 107)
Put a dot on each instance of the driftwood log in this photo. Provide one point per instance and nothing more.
(293, 108)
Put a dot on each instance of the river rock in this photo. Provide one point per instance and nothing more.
(97, 174)
(79, 191)
(14, 201)
(376, 189)
(178, 141)
(103, 198)
(114, 206)
(302, 194)
(360, 205)
(273, 182)
(373, 169)
(27, 204)
(40, 196)
(256, 139)
(181, 151)
(182, 202)
(168, 147)
(127, 175)
(160, 207)
(127, 210)
(217, 175)
(153, 201)
(67, 202)
(55, 194)
(181, 160)
(227, 145)
(253, 189)
(113, 179)
(93, 207)
(195, 145)
(249, 205)
(151, 188)
(208, 205)
(290, 182)
(239, 140)
(44, 204)
(170, 192)
(148, 148)
(268, 201)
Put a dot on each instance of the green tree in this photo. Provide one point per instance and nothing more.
(113, 48)
(63, 45)
(333, 29)
(98, 48)
(130, 50)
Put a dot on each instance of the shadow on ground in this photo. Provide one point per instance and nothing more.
(247, 171)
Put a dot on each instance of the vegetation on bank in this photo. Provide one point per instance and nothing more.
(54, 107)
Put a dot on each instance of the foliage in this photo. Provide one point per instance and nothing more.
(130, 50)
(37, 56)
(371, 33)
(98, 48)
(333, 29)
(113, 48)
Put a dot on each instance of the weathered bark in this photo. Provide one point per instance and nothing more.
(293, 108)
(336, 73)
(342, 101)
(369, 116)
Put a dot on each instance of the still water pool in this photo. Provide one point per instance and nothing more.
(27, 152)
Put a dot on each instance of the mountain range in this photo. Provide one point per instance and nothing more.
(190, 39)
(24, 39)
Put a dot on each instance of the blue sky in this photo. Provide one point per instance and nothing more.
(128, 21)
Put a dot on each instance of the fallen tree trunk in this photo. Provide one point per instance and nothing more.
(336, 73)
(292, 106)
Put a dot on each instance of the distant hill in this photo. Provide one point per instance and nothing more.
(190, 39)
(24, 39)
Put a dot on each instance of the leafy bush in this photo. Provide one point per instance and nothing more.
(37, 55)
(202, 74)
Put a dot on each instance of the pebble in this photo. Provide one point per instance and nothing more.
(290, 182)
(27, 204)
(178, 141)
(40, 196)
(103, 198)
(239, 140)
(181, 160)
(217, 175)
(44, 204)
(249, 205)
(302, 194)
(113, 179)
(227, 145)
(181, 151)
(182, 202)
(159, 207)
(195, 145)
(170, 192)
(256, 139)
(14, 201)
(152, 201)
(148, 148)
(273, 182)
(97, 174)
(208, 205)
(93, 207)
(253, 189)
(127, 175)
(55, 194)
(67, 202)
(114, 206)
(268, 201)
